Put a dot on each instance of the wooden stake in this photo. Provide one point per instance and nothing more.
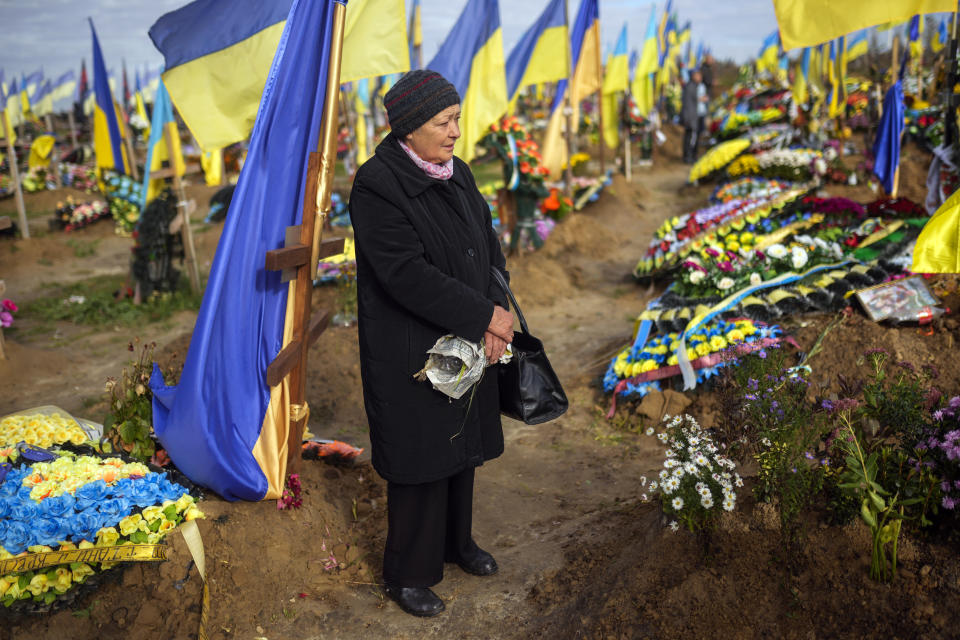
(185, 231)
(626, 157)
(54, 166)
(603, 161)
(73, 128)
(15, 178)
(128, 143)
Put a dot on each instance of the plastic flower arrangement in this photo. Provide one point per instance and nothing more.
(654, 359)
(696, 484)
(7, 308)
(745, 165)
(80, 502)
(735, 123)
(717, 158)
(124, 196)
(788, 164)
(37, 179)
(70, 215)
(526, 158)
(721, 273)
(556, 205)
(748, 188)
(40, 429)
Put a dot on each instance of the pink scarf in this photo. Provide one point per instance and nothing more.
(438, 171)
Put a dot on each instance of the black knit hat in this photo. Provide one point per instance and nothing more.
(415, 98)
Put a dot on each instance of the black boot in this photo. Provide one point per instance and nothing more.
(481, 564)
(417, 601)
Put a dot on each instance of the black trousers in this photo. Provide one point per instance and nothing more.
(428, 524)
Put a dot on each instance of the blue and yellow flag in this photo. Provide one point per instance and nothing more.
(140, 104)
(540, 55)
(217, 54)
(164, 123)
(615, 80)
(222, 425)
(585, 50)
(416, 33)
(32, 82)
(941, 38)
(662, 30)
(886, 147)
(42, 100)
(801, 73)
(916, 36)
(64, 86)
(805, 23)
(856, 45)
(642, 85)
(107, 141)
(938, 247)
(12, 105)
(471, 58)
(769, 54)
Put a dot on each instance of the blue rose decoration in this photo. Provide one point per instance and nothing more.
(57, 506)
(24, 511)
(5, 506)
(16, 537)
(90, 494)
(48, 531)
(86, 525)
(144, 494)
(114, 510)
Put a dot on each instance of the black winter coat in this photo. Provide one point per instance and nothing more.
(424, 250)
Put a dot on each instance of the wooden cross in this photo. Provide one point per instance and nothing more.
(302, 256)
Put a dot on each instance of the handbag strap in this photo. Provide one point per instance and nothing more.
(513, 301)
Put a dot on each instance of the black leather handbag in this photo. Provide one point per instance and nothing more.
(529, 389)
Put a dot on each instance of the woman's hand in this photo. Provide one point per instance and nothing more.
(493, 346)
(501, 324)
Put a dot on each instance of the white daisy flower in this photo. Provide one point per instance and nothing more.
(678, 473)
(644, 497)
(643, 481)
(653, 485)
(674, 526)
(670, 463)
(662, 436)
(690, 468)
(700, 486)
(706, 501)
(701, 460)
(738, 481)
(664, 474)
(649, 431)
(728, 505)
(694, 440)
(677, 503)
(670, 453)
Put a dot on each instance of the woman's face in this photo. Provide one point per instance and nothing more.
(435, 139)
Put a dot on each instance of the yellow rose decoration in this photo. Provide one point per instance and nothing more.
(38, 584)
(81, 571)
(192, 514)
(130, 524)
(152, 513)
(717, 343)
(107, 537)
(184, 502)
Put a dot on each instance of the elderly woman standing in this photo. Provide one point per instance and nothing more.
(425, 246)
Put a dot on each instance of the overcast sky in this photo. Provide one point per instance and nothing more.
(53, 34)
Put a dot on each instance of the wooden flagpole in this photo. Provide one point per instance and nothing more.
(185, 231)
(15, 178)
(603, 161)
(567, 104)
(302, 256)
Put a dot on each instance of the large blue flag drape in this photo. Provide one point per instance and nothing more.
(211, 420)
(886, 146)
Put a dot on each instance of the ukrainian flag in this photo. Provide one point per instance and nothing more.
(834, 104)
(43, 100)
(140, 104)
(769, 53)
(642, 88)
(857, 45)
(64, 87)
(662, 41)
(942, 37)
(540, 54)
(916, 39)
(107, 141)
(805, 23)
(12, 106)
(471, 58)
(164, 123)
(32, 82)
(585, 50)
(615, 81)
(222, 424)
(218, 53)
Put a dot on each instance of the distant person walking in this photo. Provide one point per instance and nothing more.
(693, 113)
(706, 71)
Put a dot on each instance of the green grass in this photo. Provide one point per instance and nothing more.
(82, 248)
(99, 306)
